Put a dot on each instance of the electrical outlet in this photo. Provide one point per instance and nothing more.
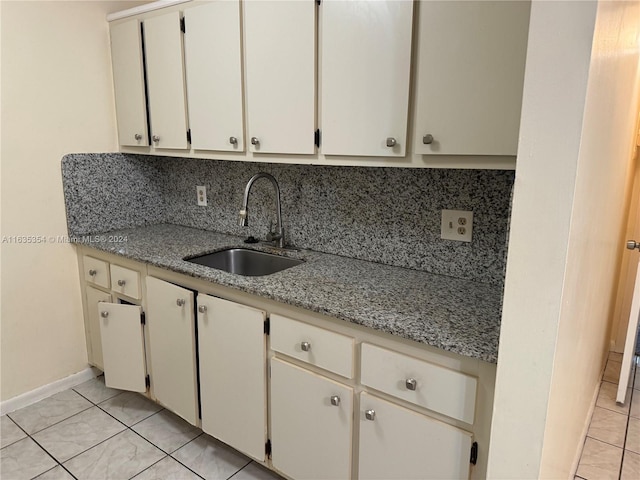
(201, 193)
(456, 225)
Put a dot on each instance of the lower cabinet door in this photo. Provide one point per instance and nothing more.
(397, 443)
(311, 424)
(122, 342)
(233, 391)
(95, 296)
(171, 323)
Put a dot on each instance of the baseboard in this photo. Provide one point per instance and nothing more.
(585, 427)
(45, 391)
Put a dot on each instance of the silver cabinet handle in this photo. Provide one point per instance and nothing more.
(335, 401)
(104, 314)
(180, 302)
(93, 273)
(155, 138)
(233, 140)
(305, 346)
(427, 139)
(137, 136)
(370, 415)
(202, 308)
(121, 283)
(391, 142)
(255, 141)
(411, 383)
(632, 244)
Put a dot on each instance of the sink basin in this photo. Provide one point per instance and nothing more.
(244, 261)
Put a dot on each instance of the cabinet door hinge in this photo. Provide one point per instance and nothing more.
(189, 135)
(183, 27)
(143, 318)
(474, 453)
(267, 448)
(267, 326)
(316, 138)
(147, 381)
(318, 2)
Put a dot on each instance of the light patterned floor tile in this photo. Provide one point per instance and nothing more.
(167, 431)
(633, 436)
(612, 371)
(599, 461)
(210, 459)
(24, 460)
(78, 433)
(9, 432)
(49, 411)
(630, 466)
(254, 471)
(167, 468)
(120, 457)
(130, 407)
(635, 405)
(615, 356)
(56, 473)
(607, 426)
(95, 390)
(607, 398)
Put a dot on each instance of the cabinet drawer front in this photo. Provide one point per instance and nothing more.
(329, 350)
(431, 386)
(125, 281)
(96, 271)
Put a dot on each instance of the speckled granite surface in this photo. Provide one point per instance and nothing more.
(384, 215)
(456, 315)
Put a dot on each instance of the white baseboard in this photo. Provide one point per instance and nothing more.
(45, 391)
(585, 427)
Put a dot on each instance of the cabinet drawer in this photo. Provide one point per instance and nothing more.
(125, 281)
(317, 346)
(96, 271)
(431, 386)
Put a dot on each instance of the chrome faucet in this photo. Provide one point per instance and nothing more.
(244, 221)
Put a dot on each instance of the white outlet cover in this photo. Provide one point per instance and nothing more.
(201, 195)
(456, 225)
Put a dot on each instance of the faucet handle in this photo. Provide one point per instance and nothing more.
(243, 217)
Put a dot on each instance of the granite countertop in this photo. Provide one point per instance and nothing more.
(452, 314)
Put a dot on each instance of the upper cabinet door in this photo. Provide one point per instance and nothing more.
(214, 76)
(128, 83)
(280, 64)
(165, 80)
(470, 72)
(366, 59)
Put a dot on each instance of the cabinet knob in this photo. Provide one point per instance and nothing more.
(233, 140)
(202, 308)
(255, 141)
(121, 283)
(180, 302)
(411, 383)
(335, 400)
(632, 244)
(92, 272)
(305, 346)
(104, 314)
(137, 136)
(370, 415)
(391, 142)
(427, 139)
(155, 138)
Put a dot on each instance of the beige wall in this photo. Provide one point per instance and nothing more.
(56, 99)
(568, 215)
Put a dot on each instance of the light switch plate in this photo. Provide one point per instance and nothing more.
(201, 195)
(456, 225)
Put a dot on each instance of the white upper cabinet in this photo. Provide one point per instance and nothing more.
(128, 83)
(280, 59)
(165, 81)
(365, 70)
(214, 76)
(470, 72)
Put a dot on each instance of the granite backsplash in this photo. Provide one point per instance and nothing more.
(385, 215)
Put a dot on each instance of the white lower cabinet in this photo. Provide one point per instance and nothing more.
(233, 389)
(172, 346)
(311, 424)
(94, 297)
(397, 443)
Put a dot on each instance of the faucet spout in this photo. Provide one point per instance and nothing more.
(244, 212)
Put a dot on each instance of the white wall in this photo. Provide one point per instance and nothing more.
(56, 99)
(568, 214)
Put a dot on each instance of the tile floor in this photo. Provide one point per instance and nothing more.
(94, 432)
(612, 447)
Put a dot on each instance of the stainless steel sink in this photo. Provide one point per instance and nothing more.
(244, 261)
